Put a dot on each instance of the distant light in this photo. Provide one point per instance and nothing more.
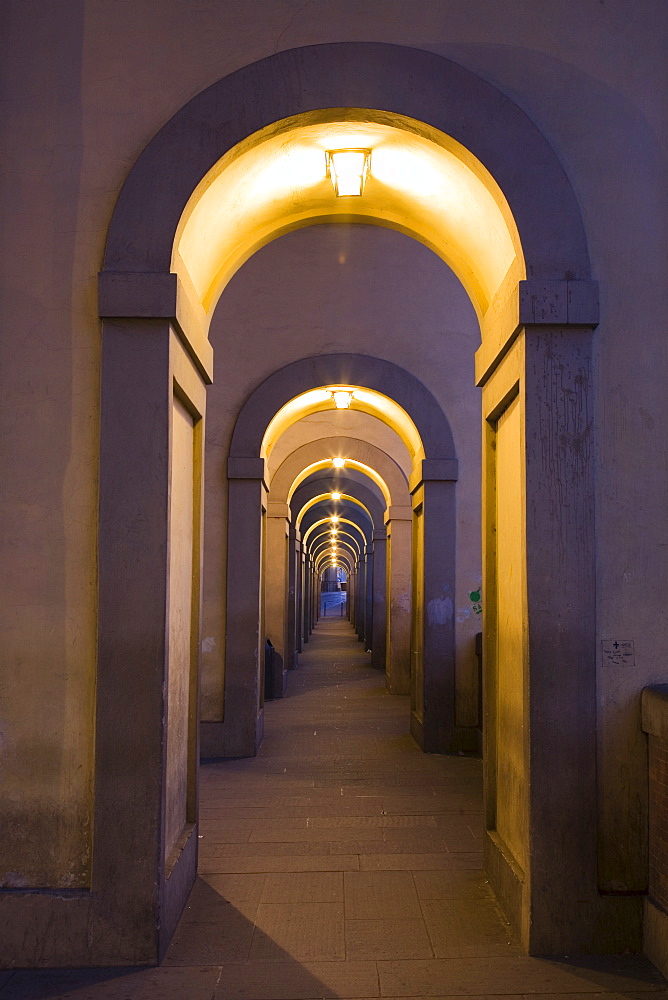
(334, 518)
(338, 463)
(335, 496)
(333, 531)
(348, 169)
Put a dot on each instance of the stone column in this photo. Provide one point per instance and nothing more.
(398, 653)
(432, 488)
(368, 597)
(294, 596)
(360, 600)
(539, 628)
(149, 548)
(244, 646)
(379, 596)
(276, 577)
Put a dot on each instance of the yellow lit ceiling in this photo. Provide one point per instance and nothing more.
(420, 182)
(367, 400)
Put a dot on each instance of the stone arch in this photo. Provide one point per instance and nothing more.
(330, 447)
(156, 360)
(432, 485)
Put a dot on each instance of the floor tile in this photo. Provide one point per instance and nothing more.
(293, 863)
(303, 887)
(374, 895)
(226, 938)
(463, 928)
(305, 931)
(113, 984)
(416, 862)
(298, 981)
(389, 938)
(524, 976)
(452, 884)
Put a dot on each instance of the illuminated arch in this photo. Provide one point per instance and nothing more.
(380, 377)
(377, 464)
(467, 118)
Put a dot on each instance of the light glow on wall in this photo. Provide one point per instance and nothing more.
(423, 183)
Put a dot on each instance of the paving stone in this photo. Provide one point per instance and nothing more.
(312, 834)
(297, 981)
(303, 887)
(524, 976)
(226, 937)
(305, 931)
(417, 862)
(235, 889)
(374, 895)
(452, 884)
(113, 984)
(461, 928)
(291, 863)
(389, 938)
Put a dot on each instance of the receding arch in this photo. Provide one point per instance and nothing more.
(342, 369)
(547, 317)
(287, 477)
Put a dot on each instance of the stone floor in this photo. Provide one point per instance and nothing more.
(342, 862)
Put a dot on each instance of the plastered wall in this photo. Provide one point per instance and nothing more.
(85, 84)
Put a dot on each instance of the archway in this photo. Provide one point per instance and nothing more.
(535, 351)
(393, 483)
(399, 397)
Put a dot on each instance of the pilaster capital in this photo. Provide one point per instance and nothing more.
(435, 470)
(247, 467)
(533, 303)
(277, 509)
(398, 512)
(158, 295)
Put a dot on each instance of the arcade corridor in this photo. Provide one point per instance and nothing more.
(342, 862)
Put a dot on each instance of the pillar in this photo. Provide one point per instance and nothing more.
(539, 628)
(432, 487)
(379, 598)
(240, 733)
(398, 619)
(276, 577)
(294, 574)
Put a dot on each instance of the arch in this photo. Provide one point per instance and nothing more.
(342, 369)
(287, 477)
(300, 81)
(528, 327)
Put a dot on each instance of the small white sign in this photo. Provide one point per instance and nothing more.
(618, 652)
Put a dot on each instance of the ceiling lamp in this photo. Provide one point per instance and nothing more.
(342, 398)
(335, 496)
(338, 463)
(347, 169)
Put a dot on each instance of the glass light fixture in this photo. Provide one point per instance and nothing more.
(338, 463)
(335, 496)
(348, 169)
(342, 398)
